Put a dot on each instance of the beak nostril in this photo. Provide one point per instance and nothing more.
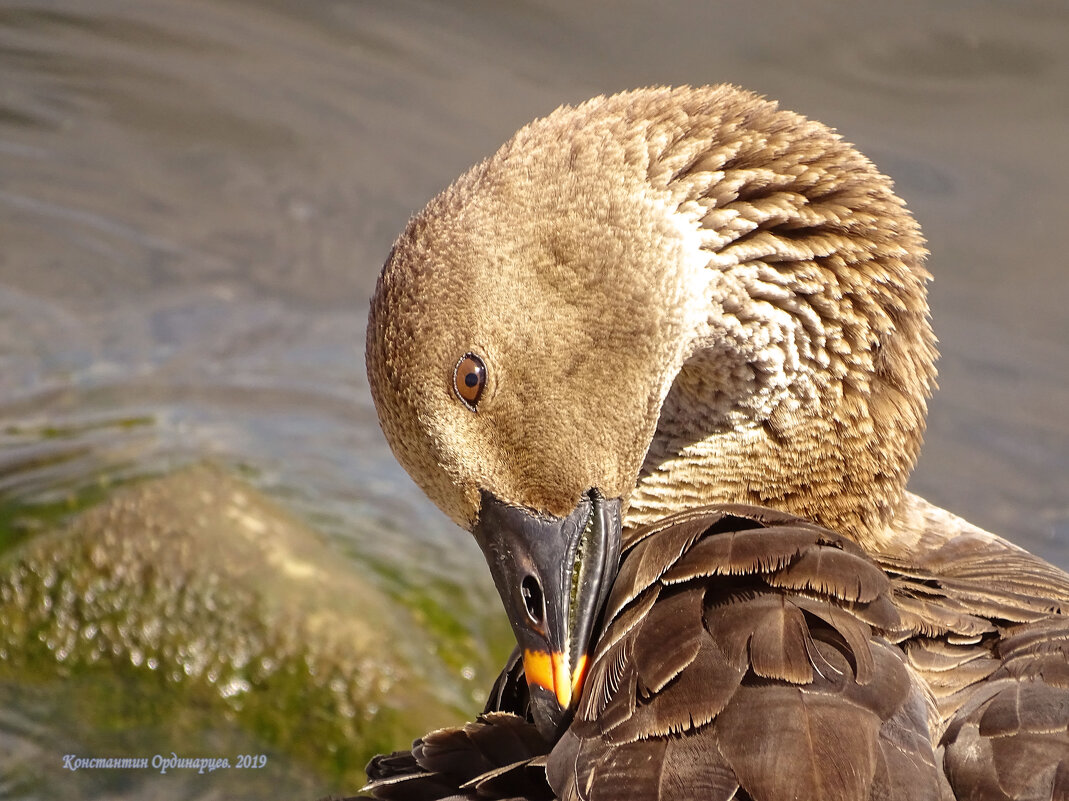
(531, 592)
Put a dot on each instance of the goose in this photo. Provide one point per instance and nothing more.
(667, 355)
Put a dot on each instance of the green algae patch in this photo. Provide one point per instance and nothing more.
(466, 628)
(194, 600)
(21, 520)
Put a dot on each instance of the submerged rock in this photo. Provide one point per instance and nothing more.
(211, 605)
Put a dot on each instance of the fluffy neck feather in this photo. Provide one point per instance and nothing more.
(806, 384)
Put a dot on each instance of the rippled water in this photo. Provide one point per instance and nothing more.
(196, 197)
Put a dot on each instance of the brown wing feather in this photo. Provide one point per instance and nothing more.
(677, 619)
(691, 771)
(854, 632)
(986, 628)
(693, 700)
(740, 553)
(780, 645)
(829, 571)
(970, 581)
(745, 654)
(1010, 736)
(754, 668)
(499, 756)
(649, 558)
(658, 768)
(784, 742)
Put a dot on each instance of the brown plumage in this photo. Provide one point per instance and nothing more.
(686, 302)
(774, 680)
(724, 671)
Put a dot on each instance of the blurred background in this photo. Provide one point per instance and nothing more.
(206, 547)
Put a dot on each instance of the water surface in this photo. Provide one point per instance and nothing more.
(196, 197)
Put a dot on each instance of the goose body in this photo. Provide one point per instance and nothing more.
(667, 355)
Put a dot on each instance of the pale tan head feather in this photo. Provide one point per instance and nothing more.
(682, 296)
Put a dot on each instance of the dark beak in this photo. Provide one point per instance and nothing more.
(554, 575)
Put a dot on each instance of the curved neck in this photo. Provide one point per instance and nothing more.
(840, 457)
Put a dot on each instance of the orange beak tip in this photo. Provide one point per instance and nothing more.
(549, 671)
(579, 675)
(538, 668)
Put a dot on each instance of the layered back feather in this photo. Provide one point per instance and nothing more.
(748, 654)
(738, 658)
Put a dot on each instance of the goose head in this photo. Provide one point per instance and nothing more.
(644, 303)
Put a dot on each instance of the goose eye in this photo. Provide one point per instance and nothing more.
(469, 378)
